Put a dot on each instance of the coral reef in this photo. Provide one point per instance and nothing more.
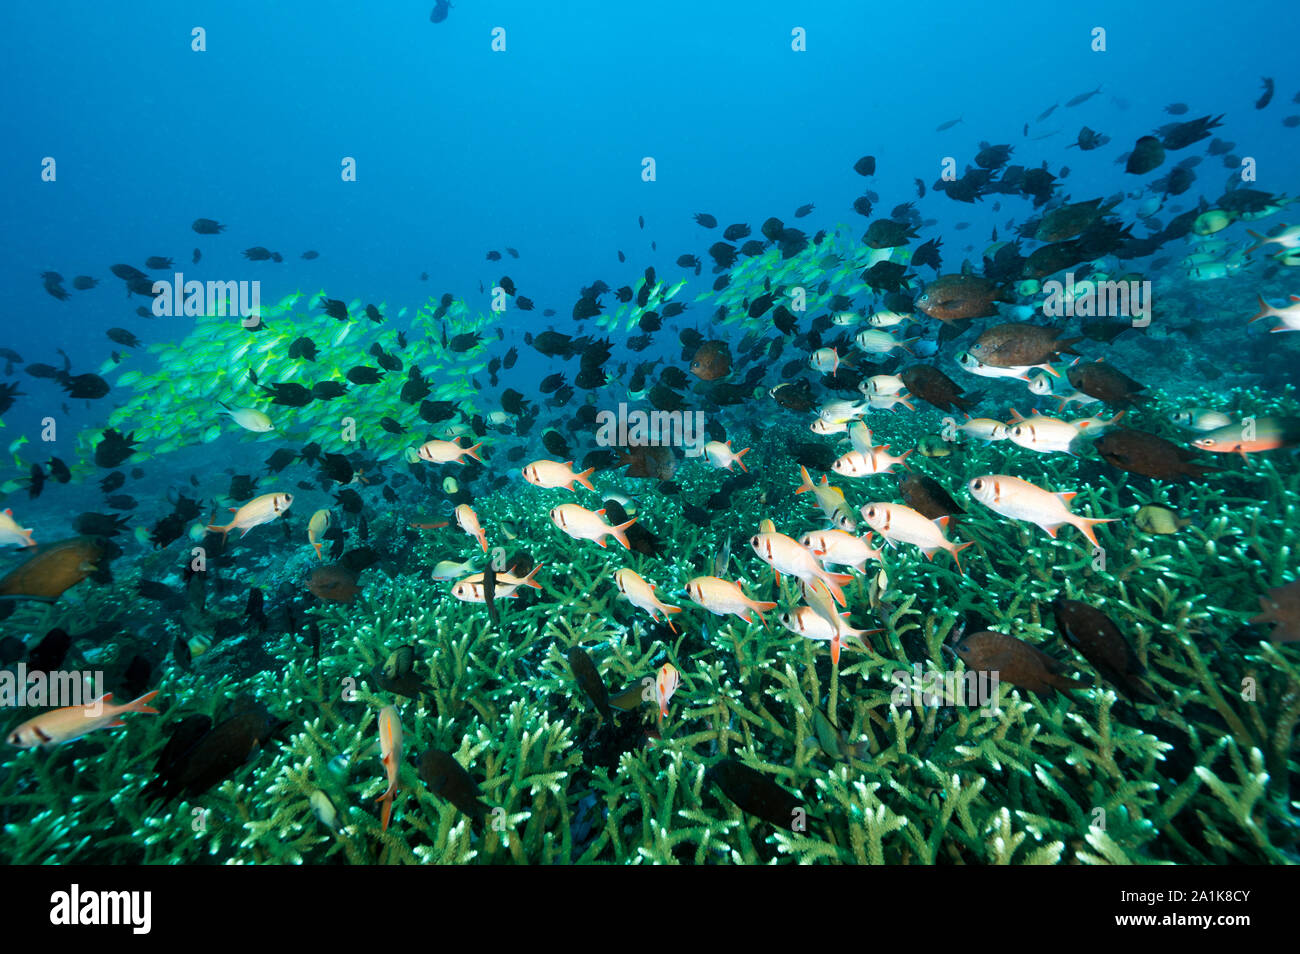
(1207, 776)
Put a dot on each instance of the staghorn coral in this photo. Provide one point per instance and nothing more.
(1208, 776)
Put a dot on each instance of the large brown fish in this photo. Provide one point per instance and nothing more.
(1147, 154)
(796, 396)
(1106, 383)
(1069, 220)
(886, 233)
(52, 569)
(334, 583)
(953, 297)
(927, 497)
(1147, 455)
(588, 679)
(934, 387)
(711, 360)
(399, 674)
(448, 779)
(754, 792)
(1099, 641)
(1016, 662)
(1016, 344)
(643, 460)
(1049, 259)
(199, 755)
(1281, 606)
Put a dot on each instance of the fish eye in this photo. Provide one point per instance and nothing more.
(977, 484)
(753, 541)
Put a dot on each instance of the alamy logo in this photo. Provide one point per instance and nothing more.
(1090, 299)
(102, 907)
(654, 428)
(59, 689)
(971, 689)
(195, 299)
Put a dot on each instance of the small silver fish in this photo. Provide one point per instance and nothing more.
(722, 558)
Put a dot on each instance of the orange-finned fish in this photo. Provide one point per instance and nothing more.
(257, 511)
(887, 402)
(722, 597)
(390, 751)
(552, 474)
(808, 622)
(859, 463)
(984, 429)
(10, 532)
(665, 685)
(444, 452)
(787, 555)
(898, 523)
(1046, 435)
(583, 524)
(826, 360)
(829, 499)
(1290, 315)
(1021, 500)
(72, 722)
(720, 455)
(1288, 237)
(316, 527)
(834, 623)
(1251, 436)
(820, 426)
(468, 521)
(430, 526)
(841, 548)
(471, 590)
(642, 595)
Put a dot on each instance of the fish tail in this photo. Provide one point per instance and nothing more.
(1085, 525)
(619, 534)
(1260, 240)
(138, 705)
(529, 581)
(319, 554)
(807, 481)
(1264, 307)
(582, 478)
(835, 584)
(482, 539)
(385, 813)
(739, 454)
(472, 451)
(957, 548)
(759, 605)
